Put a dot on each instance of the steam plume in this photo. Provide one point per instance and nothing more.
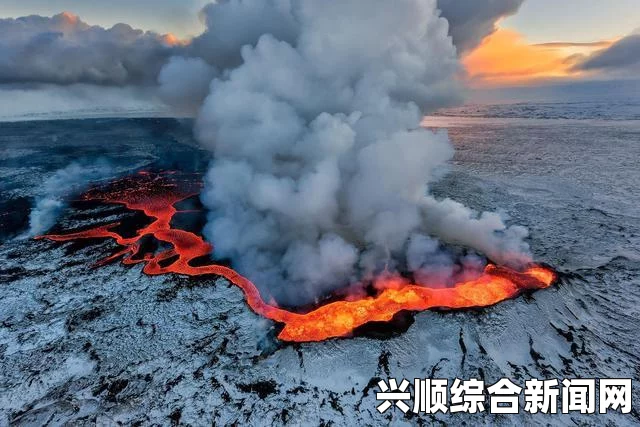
(322, 170)
(185, 95)
(63, 183)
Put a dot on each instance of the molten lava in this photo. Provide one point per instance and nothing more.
(157, 195)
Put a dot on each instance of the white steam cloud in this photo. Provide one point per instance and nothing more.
(63, 183)
(185, 97)
(322, 170)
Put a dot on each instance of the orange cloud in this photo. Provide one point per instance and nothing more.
(505, 58)
(171, 40)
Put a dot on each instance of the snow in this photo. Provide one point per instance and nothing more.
(111, 345)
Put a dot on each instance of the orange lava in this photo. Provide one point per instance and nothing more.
(157, 194)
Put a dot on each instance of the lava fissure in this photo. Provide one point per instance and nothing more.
(157, 194)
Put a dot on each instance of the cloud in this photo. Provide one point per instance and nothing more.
(175, 16)
(596, 44)
(64, 50)
(471, 21)
(221, 41)
(622, 56)
(506, 58)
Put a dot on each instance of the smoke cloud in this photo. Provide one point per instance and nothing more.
(322, 170)
(63, 183)
(221, 41)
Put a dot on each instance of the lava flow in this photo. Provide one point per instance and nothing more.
(157, 195)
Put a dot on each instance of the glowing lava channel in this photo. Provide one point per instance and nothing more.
(157, 194)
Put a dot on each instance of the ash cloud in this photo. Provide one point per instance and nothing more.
(65, 50)
(57, 188)
(322, 170)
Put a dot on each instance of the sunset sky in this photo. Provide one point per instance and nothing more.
(546, 40)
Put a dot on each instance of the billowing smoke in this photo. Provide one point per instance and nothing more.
(65, 50)
(58, 187)
(322, 170)
(221, 42)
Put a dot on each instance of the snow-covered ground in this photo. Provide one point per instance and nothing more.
(110, 345)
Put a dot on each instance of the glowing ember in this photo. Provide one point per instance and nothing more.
(156, 196)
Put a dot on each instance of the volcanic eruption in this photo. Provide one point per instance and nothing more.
(321, 173)
(156, 195)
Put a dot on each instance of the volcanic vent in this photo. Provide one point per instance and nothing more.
(156, 195)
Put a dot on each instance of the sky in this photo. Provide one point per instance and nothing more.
(545, 41)
(539, 21)
(543, 21)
